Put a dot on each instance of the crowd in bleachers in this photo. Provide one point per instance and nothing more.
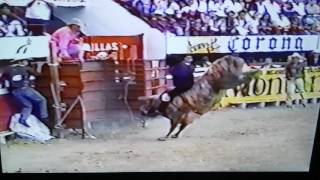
(24, 21)
(228, 17)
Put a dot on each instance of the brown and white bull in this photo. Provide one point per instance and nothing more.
(225, 73)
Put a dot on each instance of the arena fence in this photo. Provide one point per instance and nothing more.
(100, 90)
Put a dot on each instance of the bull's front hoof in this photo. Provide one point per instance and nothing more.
(162, 139)
(174, 136)
(143, 123)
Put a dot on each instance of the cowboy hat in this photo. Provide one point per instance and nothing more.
(295, 54)
(76, 21)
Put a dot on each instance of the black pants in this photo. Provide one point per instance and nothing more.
(173, 93)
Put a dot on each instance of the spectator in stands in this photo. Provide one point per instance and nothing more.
(294, 75)
(265, 26)
(296, 27)
(213, 25)
(20, 78)
(261, 9)
(10, 23)
(249, 6)
(161, 6)
(242, 24)
(205, 18)
(312, 8)
(219, 8)
(282, 24)
(140, 7)
(299, 7)
(230, 23)
(193, 4)
(178, 30)
(313, 29)
(203, 6)
(222, 26)
(146, 8)
(149, 7)
(288, 10)
(196, 27)
(173, 7)
(235, 6)
(39, 12)
(184, 8)
(253, 24)
(273, 9)
(277, 14)
(312, 12)
(267, 63)
(68, 40)
(316, 59)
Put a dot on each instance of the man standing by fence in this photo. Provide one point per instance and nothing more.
(19, 77)
(294, 75)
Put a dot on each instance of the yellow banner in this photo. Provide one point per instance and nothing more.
(271, 87)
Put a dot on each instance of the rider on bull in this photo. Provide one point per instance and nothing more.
(183, 79)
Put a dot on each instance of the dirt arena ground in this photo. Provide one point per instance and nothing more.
(231, 139)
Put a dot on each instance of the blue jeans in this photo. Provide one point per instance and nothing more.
(31, 100)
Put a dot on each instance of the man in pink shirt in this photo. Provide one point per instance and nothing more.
(67, 41)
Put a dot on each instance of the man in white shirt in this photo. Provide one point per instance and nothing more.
(299, 7)
(193, 4)
(282, 22)
(211, 5)
(253, 24)
(235, 6)
(39, 12)
(10, 24)
(241, 23)
(228, 5)
(219, 8)
(312, 8)
(178, 29)
(184, 7)
(203, 6)
(172, 8)
(273, 9)
(213, 22)
(161, 6)
(261, 8)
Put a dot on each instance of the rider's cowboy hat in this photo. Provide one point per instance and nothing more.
(296, 55)
(78, 22)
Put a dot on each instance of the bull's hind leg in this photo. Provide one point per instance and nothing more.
(183, 125)
(172, 128)
(185, 121)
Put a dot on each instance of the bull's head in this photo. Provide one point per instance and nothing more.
(229, 72)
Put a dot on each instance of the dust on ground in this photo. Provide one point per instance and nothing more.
(231, 139)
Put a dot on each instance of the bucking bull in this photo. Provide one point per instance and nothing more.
(224, 73)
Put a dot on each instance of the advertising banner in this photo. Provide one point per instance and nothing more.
(24, 47)
(125, 46)
(271, 87)
(241, 44)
